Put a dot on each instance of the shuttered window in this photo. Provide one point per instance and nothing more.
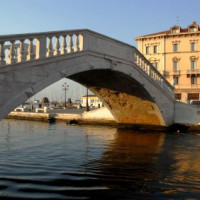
(193, 96)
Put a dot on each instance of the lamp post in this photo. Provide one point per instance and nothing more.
(87, 107)
(65, 88)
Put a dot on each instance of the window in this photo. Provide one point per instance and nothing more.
(175, 80)
(175, 65)
(175, 30)
(193, 79)
(155, 49)
(177, 96)
(194, 96)
(193, 46)
(193, 29)
(148, 50)
(193, 65)
(175, 47)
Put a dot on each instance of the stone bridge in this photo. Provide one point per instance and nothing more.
(130, 87)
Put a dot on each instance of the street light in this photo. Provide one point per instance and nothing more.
(65, 88)
(87, 106)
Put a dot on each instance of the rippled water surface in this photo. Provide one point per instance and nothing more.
(58, 161)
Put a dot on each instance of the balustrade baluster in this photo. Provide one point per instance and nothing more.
(156, 77)
(139, 62)
(50, 48)
(76, 48)
(160, 80)
(70, 44)
(146, 68)
(64, 45)
(143, 66)
(150, 71)
(11, 56)
(2, 54)
(21, 56)
(57, 47)
(30, 55)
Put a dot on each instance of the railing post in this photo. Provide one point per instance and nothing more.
(21, 56)
(50, 47)
(30, 55)
(64, 45)
(76, 48)
(81, 42)
(70, 44)
(84, 41)
(12, 53)
(150, 72)
(57, 47)
(41, 47)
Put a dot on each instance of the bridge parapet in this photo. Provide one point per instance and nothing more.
(25, 47)
(153, 73)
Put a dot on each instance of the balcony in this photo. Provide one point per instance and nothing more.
(176, 73)
(187, 86)
(193, 72)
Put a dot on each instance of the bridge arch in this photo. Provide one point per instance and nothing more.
(121, 87)
(126, 98)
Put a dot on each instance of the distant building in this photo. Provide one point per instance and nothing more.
(176, 54)
(93, 101)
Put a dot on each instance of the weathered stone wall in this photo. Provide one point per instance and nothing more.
(127, 99)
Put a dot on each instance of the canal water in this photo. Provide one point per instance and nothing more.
(59, 161)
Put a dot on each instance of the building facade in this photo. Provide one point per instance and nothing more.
(176, 54)
(93, 101)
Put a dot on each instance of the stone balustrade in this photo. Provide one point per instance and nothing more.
(153, 73)
(26, 47)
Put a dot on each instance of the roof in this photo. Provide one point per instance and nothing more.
(158, 33)
(167, 32)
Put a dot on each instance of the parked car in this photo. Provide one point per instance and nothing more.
(196, 103)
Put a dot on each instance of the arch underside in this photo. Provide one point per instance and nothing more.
(127, 99)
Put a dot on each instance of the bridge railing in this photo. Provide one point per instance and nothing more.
(153, 73)
(26, 47)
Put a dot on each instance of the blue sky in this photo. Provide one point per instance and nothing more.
(119, 19)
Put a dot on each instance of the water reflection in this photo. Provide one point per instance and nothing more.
(129, 163)
(39, 160)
